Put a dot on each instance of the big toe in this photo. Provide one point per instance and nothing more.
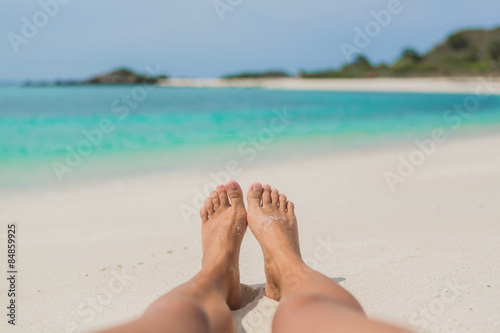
(254, 195)
(235, 193)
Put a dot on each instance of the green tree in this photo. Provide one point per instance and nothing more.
(494, 51)
(412, 55)
(458, 42)
(361, 60)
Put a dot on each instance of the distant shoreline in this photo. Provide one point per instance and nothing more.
(424, 85)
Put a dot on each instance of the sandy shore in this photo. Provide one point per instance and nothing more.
(443, 85)
(425, 256)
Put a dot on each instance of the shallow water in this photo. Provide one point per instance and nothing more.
(52, 134)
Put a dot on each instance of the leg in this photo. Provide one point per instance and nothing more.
(203, 303)
(309, 301)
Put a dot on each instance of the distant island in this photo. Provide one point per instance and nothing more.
(263, 75)
(124, 76)
(464, 53)
(118, 76)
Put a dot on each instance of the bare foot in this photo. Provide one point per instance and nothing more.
(272, 220)
(224, 222)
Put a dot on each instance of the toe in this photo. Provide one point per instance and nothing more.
(235, 193)
(274, 197)
(290, 207)
(282, 200)
(214, 196)
(254, 195)
(203, 214)
(209, 206)
(223, 199)
(266, 196)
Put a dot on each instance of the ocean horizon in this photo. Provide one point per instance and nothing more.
(62, 134)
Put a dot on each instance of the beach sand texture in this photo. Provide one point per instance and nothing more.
(426, 256)
(427, 85)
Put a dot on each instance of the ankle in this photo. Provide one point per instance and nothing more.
(221, 278)
(220, 260)
(218, 269)
(289, 267)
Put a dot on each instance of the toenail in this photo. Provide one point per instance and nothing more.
(275, 190)
(257, 187)
(219, 187)
(213, 193)
(231, 186)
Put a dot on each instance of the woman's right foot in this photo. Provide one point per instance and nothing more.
(272, 220)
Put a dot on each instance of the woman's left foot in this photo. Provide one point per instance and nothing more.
(224, 222)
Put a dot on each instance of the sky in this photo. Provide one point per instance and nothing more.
(82, 38)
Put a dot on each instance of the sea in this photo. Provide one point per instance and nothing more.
(53, 135)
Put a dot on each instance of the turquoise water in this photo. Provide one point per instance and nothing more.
(134, 128)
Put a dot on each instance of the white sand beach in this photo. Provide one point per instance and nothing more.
(426, 256)
(428, 85)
